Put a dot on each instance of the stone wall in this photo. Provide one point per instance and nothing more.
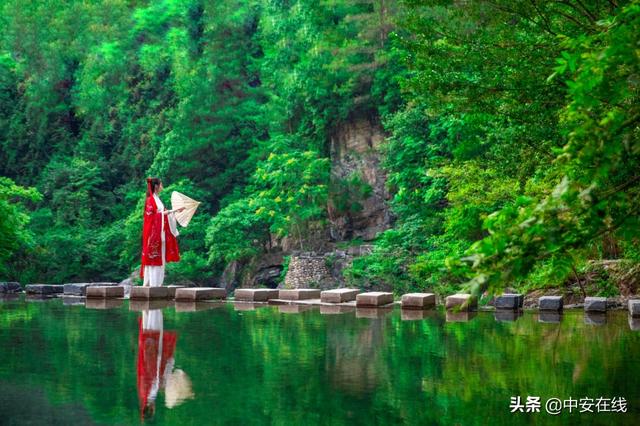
(309, 271)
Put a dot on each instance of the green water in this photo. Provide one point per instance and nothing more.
(74, 365)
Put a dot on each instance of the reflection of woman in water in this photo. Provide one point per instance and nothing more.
(159, 232)
(155, 365)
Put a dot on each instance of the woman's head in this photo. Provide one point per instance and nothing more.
(154, 185)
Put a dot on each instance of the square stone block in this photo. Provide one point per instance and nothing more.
(105, 291)
(44, 289)
(200, 293)
(339, 295)
(171, 290)
(461, 301)
(508, 301)
(146, 293)
(418, 300)
(595, 304)
(299, 294)
(374, 298)
(634, 308)
(335, 309)
(256, 294)
(550, 303)
(93, 303)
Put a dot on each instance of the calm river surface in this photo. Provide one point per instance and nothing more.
(62, 364)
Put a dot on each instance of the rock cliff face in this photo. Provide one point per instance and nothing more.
(357, 208)
(355, 156)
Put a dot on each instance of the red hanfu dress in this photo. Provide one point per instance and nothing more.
(159, 244)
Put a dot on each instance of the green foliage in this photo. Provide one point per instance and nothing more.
(14, 234)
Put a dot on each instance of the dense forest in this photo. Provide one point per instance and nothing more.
(511, 135)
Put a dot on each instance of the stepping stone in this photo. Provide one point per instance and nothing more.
(80, 289)
(634, 308)
(92, 303)
(186, 306)
(595, 304)
(335, 309)
(193, 294)
(550, 303)
(508, 301)
(373, 312)
(339, 295)
(248, 306)
(106, 291)
(293, 309)
(374, 298)
(141, 305)
(146, 293)
(10, 287)
(299, 294)
(418, 300)
(460, 316)
(462, 301)
(507, 315)
(171, 290)
(256, 294)
(44, 289)
(595, 318)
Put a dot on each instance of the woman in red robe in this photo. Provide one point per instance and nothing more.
(159, 232)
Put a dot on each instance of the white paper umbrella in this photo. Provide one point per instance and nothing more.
(179, 201)
(177, 388)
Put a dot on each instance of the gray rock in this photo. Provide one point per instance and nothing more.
(80, 289)
(418, 300)
(634, 308)
(550, 303)
(374, 298)
(10, 287)
(461, 301)
(508, 301)
(200, 293)
(595, 304)
(44, 289)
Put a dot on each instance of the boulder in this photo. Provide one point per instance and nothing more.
(595, 304)
(10, 287)
(44, 289)
(339, 295)
(373, 299)
(418, 300)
